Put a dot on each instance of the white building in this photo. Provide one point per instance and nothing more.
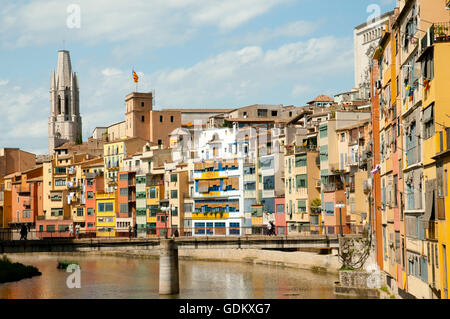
(366, 37)
(218, 186)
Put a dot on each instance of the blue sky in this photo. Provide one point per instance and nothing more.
(193, 53)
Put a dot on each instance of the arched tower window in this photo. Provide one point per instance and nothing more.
(59, 104)
(66, 105)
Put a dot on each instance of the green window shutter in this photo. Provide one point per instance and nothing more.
(323, 130)
(301, 181)
(324, 153)
(302, 206)
(300, 161)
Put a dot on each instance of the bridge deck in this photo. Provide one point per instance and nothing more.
(243, 242)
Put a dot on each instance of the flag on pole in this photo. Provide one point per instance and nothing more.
(135, 77)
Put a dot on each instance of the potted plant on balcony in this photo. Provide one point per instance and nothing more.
(315, 206)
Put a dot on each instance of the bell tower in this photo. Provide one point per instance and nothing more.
(64, 123)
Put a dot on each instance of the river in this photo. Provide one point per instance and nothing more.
(126, 278)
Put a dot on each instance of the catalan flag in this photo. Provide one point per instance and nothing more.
(135, 77)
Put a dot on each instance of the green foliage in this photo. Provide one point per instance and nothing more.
(385, 289)
(65, 263)
(10, 271)
(316, 203)
(79, 140)
(227, 124)
(347, 268)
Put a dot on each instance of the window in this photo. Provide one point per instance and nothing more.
(90, 195)
(280, 208)
(90, 212)
(266, 163)
(171, 119)
(323, 131)
(80, 211)
(161, 118)
(395, 190)
(60, 170)
(234, 228)
(123, 177)
(188, 207)
(91, 225)
(51, 228)
(342, 137)
(300, 160)
(199, 228)
(428, 120)
(329, 208)
(57, 212)
(143, 118)
(173, 178)
(152, 193)
(269, 182)
(124, 208)
(324, 153)
(428, 65)
(302, 206)
(250, 186)
(105, 207)
(274, 113)
(124, 192)
(262, 113)
(159, 142)
(142, 104)
(301, 181)
(60, 182)
(175, 212)
(173, 194)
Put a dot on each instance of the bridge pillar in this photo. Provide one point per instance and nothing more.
(168, 268)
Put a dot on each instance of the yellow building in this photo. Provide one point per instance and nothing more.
(106, 214)
(155, 193)
(435, 80)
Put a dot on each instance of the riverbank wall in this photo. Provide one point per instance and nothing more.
(297, 259)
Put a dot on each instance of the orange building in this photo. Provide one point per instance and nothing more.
(26, 194)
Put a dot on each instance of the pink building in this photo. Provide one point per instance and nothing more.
(280, 216)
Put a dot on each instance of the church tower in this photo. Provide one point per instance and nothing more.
(64, 122)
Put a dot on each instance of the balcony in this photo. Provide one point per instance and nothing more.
(24, 188)
(155, 183)
(329, 187)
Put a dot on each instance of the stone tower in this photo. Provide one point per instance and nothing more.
(138, 114)
(64, 122)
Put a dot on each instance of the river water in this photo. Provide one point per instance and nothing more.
(125, 277)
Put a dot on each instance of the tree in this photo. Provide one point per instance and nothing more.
(79, 140)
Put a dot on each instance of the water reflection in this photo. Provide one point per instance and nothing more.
(118, 277)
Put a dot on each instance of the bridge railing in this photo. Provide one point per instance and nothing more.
(160, 232)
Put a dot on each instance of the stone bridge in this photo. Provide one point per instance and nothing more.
(168, 248)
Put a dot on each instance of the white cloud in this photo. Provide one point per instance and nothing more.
(156, 23)
(111, 72)
(299, 90)
(25, 115)
(295, 29)
(4, 82)
(228, 15)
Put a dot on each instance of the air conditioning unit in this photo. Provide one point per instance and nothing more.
(317, 184)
